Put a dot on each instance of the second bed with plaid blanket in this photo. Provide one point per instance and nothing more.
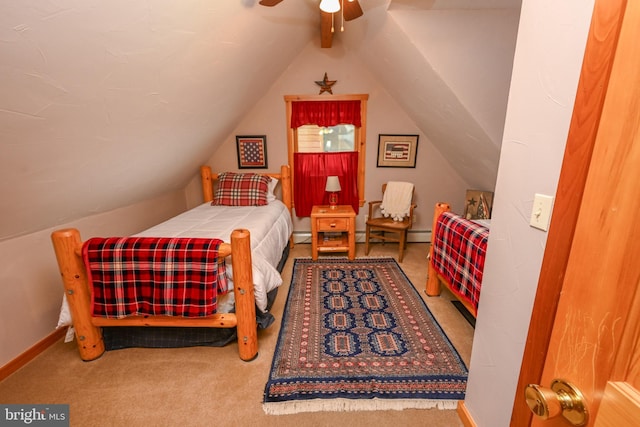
(459, 249)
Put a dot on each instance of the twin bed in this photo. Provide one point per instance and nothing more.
(214, 266)
(456, 256)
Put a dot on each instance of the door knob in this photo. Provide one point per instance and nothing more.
(563, 398)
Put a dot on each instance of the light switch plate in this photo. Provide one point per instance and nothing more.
(541, 212)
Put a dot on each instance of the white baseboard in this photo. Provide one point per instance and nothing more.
(414, 236)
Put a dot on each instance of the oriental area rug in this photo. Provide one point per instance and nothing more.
(356, 335)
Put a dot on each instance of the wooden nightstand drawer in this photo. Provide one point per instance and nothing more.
(333, 230)
(333, 224)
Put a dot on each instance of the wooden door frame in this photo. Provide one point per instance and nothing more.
(601, 45)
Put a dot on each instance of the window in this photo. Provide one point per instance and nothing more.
(303, 136)
(316, 139)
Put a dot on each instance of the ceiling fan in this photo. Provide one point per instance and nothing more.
(348, 9)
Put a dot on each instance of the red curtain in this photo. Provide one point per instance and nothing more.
(325, 113)
(310, 176)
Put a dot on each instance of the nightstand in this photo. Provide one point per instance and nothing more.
(333, 230)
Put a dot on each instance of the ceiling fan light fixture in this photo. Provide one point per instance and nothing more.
(330, 6)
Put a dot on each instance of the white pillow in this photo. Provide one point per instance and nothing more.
(64, 318)
(271, 196)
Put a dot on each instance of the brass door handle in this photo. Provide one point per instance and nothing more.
(563, 398)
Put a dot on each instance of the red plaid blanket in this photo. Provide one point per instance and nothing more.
(459, 249)
(154, 276)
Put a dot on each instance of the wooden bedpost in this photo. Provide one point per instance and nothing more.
(68, 245)
(285, 174)
(207, 183)
(247, 326)
(433, 284)
(287, 197)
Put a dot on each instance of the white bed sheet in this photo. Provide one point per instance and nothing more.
(483, 222)
(270, 228)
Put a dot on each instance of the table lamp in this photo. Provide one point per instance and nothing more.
(332, 187)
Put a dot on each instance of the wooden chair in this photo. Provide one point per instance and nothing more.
(378, 226)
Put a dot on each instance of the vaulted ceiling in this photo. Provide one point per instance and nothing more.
(90, 85)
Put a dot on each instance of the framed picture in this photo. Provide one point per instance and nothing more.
(397, 151)
(478, 204)
(252, 151)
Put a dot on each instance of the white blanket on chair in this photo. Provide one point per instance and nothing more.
(396, 200)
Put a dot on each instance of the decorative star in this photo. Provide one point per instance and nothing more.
(472, 201)
(325, 84)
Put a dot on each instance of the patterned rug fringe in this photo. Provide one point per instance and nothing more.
(348, 405)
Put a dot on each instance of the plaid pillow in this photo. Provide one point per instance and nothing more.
(241, 189)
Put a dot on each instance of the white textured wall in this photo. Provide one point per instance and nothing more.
(31, 291)
(117, 100)
(471, 51)
(549, 51)
(410, 51)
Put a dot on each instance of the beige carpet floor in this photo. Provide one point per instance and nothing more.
(203, 386)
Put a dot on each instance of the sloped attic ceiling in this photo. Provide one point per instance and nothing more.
(119, 101)
(448, 64)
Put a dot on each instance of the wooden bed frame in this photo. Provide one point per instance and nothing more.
(435, 279)
(68, 248)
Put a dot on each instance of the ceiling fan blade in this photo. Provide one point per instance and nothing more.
(352, 10)
(326, 35)
(269, 2)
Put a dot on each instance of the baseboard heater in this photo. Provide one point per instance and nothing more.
(414, 236)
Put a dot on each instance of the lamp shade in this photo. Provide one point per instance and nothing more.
(333, 184)
(330, 6)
